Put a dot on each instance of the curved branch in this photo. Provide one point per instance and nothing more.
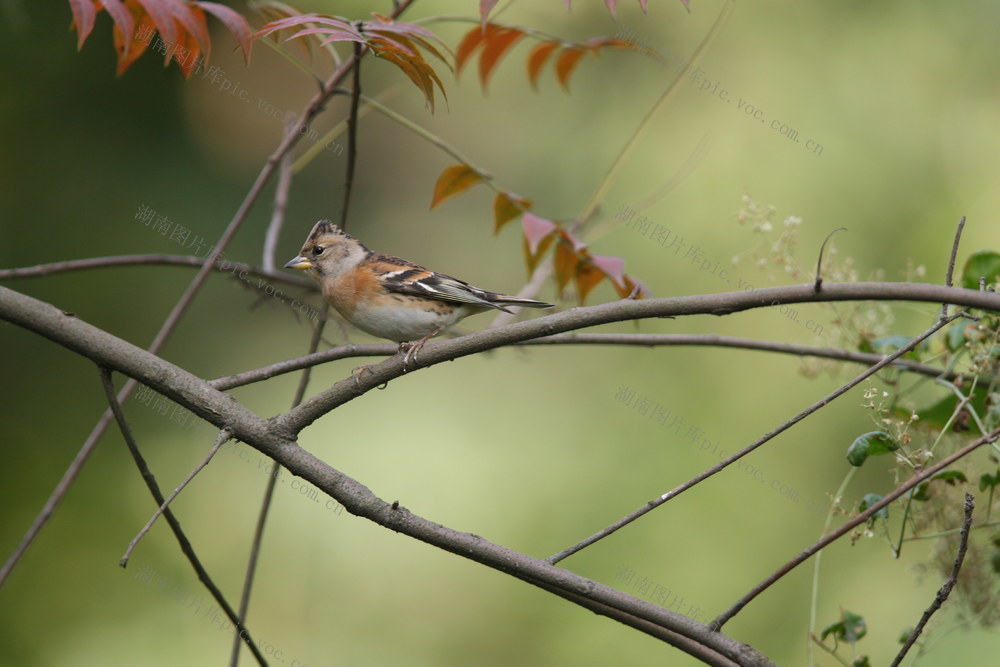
(270, 438)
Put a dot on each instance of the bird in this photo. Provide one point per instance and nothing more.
(389, 297)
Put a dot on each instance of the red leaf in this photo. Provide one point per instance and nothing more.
(612, 5)
(538, 236)
(454, 180)
(613, 267)
(506, 207)
(498, 42)
(163, 19)
(539, 56)
(84, 13)
(536, 229)
(567, 60)
(644, 4)
(306, 20)
(194, 22)
(234, 22)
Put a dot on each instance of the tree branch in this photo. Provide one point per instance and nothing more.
(945, 590)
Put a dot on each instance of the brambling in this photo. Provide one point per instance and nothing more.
(389, 297)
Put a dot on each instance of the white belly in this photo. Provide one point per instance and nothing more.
(405, 325)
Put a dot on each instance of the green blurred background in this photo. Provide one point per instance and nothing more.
(531, 448)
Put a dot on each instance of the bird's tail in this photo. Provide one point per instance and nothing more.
(505, 300)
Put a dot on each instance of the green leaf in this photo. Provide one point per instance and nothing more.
(950, 477)
(985, 263)
(905, 637)
(870, 444)
(870, 499)
(850, 629)
(955, 338)
(861, 661)
(988, 481)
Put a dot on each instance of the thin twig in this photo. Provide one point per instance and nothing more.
(168, 514)
(630, 144)
(222, 438)
(272, 482)
(819, 261)
(352, 138)
(945, 590)
(236, 268)
(280, 203)
(948, 276)
(697, 479)
(632, 340)
(917, 478)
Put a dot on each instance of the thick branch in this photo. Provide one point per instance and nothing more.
(265, 435)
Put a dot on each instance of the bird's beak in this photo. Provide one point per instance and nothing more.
(299, 262)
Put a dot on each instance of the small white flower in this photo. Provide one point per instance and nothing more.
(793, 221)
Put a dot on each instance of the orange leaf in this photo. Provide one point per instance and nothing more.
(472, 40)
(454, 180)
(539, 56)
(506, 207)
(567, 60)
(185, 53)
(587, 278)
(564, 265)
(496, 46)
(84, 13)
(132, 47)
(415, 67)
(632, 285)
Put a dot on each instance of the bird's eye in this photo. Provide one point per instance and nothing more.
(318, 250)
